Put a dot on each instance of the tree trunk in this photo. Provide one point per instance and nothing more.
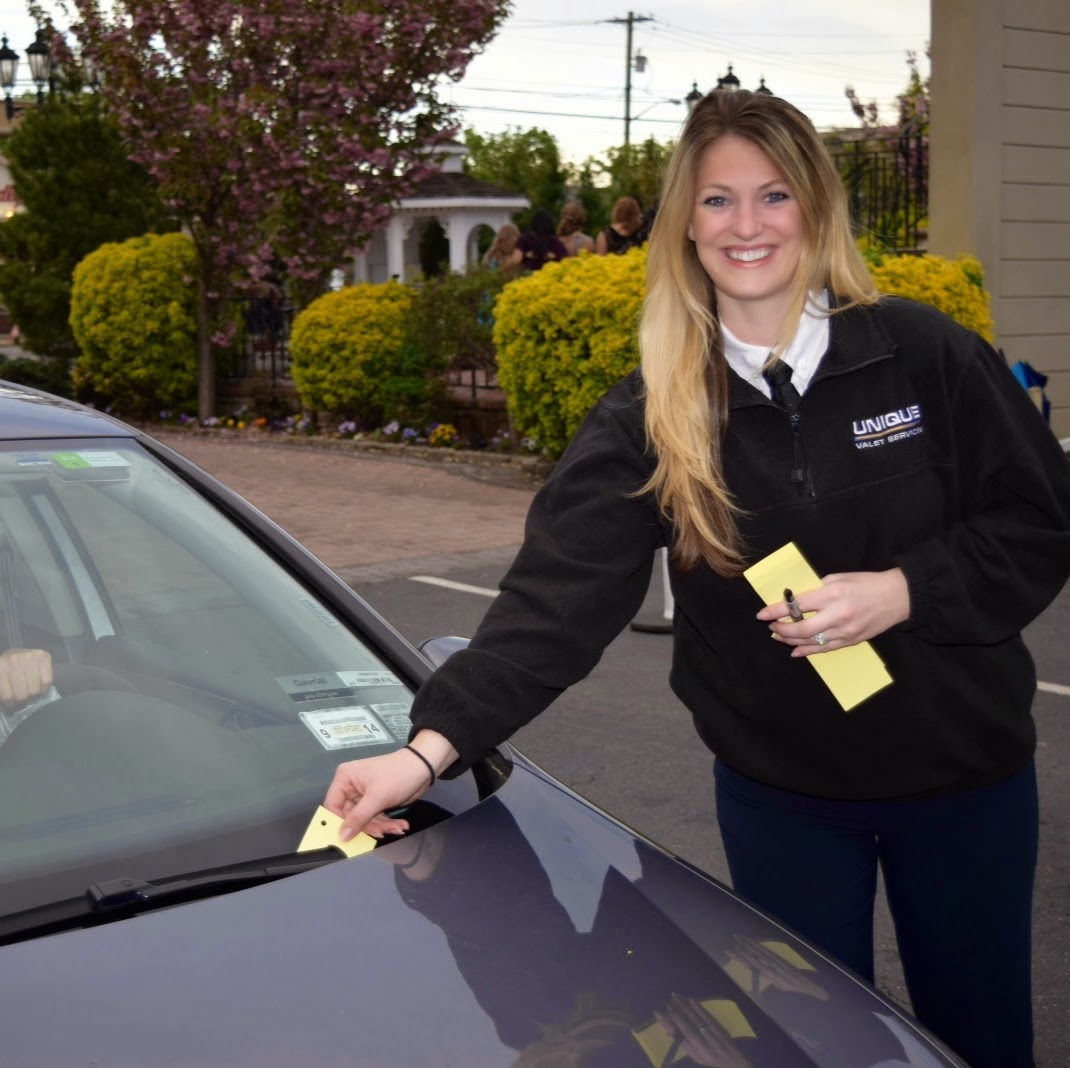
(205, 355)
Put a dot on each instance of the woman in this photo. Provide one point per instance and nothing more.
(570, 230)
(622, 233)
(898, 453)
(503, 255)
(539, 245)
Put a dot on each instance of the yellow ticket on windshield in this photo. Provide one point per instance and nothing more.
(852, 674)
(323, 832)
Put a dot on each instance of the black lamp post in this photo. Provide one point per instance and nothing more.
(727, 83)
(39, 55)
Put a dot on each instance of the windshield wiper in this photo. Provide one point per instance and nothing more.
(116, 899)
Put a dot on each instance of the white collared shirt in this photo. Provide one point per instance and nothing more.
(802, 355)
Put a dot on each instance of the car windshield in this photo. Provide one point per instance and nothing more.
(202, 698)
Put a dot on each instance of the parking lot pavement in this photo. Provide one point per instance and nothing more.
(368, 518)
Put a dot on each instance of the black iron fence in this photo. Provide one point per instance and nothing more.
(887, 183)
(263, 343)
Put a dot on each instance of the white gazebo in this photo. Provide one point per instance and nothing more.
(459, 203)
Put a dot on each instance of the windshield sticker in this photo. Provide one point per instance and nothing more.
(345, 728)
(320, 612)
(364, 680)
(33, 459)
(89, 458)
(396, 718)
(319, 686)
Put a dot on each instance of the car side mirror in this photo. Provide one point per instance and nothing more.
(438, 650)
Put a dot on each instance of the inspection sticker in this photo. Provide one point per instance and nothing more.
(345, 728)
(366, 679)
(89, 458)
(396, 717)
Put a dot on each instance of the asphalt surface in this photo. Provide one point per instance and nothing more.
(620, 737)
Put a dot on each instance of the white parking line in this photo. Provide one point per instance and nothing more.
(1054, 687)
(463, 587)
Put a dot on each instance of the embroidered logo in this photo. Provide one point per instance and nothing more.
(889, 427)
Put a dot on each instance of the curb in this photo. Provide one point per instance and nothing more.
(532, 470)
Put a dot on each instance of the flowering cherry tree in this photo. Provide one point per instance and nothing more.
(280, 131)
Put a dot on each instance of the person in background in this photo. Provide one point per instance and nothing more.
(781, 398)
(622, 233)
(570, 229)
(540, 245)
(503, 255)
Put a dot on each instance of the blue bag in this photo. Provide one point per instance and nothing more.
(1033, 382)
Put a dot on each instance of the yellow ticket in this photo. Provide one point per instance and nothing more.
(852, 674)
(323, 832)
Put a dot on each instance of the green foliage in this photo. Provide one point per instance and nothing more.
(956, 287)
(636, 171)
(526, 161)
(79, 191)
(47, 373)
(350, 356)
(132, 313)
(451, 320)
(564, 336)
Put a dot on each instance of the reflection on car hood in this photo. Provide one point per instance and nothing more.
(529, 926)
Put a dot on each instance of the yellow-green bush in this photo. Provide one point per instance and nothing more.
(348, 350)
(133, 317)
(565, 335)
(956, 287)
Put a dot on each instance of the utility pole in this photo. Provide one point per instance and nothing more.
(629, 22)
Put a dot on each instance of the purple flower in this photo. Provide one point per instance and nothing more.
(408, 434)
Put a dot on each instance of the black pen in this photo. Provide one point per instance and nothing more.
(793, 607)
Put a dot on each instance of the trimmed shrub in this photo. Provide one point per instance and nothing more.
(956, 287)
(49, 373)
(565, 335)
(350, 355)
(133, 316)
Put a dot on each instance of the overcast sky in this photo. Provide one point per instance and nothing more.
(561, 64)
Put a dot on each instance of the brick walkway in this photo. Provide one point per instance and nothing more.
(369, 518)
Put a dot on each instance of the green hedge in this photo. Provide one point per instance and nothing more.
(133, 317)
(350, 356)
(565, 335)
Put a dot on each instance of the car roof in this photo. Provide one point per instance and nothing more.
(27, 414)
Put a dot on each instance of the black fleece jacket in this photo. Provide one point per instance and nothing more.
(914, 447)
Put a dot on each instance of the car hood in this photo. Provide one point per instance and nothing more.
(530, 929)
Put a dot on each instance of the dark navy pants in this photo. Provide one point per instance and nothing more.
(958, 870)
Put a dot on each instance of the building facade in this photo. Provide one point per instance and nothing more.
(1000, 170)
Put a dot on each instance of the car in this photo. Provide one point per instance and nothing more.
(209, 674)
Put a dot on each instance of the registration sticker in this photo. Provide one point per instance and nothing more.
(74, 461)
(345, 728)
(366, 679)
(396, 716)
(33, 459)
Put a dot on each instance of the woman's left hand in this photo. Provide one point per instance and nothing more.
(845, 610)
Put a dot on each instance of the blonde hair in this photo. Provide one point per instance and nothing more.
(684, 371)
(504, 242)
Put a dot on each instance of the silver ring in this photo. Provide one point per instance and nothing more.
(820, 639)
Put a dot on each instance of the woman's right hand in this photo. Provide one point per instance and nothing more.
(362, 791)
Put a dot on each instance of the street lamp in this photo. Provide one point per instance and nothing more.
(727, 83)
(39, 55)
